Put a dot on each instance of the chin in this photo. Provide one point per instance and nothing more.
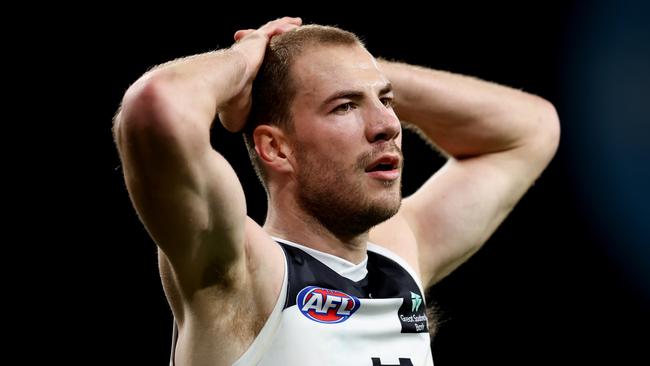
(346, 206)
(386, 207)
(390, 195)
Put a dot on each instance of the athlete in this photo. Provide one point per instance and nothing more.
(337, 273)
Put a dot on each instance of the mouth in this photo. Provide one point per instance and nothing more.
(386, 167)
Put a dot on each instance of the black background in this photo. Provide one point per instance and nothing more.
(544, 288)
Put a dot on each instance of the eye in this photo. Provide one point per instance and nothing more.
(343, 108)
(387, 102)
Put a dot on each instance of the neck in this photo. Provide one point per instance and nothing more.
(285, 219)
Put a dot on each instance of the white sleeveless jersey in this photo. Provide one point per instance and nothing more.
(332, 312)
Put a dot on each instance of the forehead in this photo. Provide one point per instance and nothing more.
(322, 71)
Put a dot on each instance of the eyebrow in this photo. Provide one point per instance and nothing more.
(355, 94)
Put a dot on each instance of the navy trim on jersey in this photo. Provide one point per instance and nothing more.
(385, 279)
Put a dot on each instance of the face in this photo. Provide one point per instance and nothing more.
(347, 140)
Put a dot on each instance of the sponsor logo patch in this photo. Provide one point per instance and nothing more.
(416, 301)
(412, 314)
(325, 305)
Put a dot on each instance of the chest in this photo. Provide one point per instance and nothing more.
(328, 319)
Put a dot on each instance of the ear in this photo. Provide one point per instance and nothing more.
(272, 147)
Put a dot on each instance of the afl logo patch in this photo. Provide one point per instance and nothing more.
(326, 306)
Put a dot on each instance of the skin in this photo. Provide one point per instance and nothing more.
(221, 271)
(332, 144)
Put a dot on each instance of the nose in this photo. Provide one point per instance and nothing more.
(382, 124)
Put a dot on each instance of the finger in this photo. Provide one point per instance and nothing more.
(293, 20)
(282, 21)
(282, 28)
(288, 27)
(242, 33)
(272, 28)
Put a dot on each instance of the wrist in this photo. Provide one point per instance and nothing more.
(250, 51)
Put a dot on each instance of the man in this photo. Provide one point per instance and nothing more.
(337, 274)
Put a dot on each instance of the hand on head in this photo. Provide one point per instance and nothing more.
(271, 28)
(251, 43)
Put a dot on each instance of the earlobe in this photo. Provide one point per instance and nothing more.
(272, 148)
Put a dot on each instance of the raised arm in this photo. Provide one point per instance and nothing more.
(497, 139)
(186, 194)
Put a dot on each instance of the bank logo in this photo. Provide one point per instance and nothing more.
(325, 305)
(416, 301)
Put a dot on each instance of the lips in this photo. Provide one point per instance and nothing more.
(386, 162)
(385, 168)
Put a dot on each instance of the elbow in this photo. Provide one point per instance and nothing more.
(143, 101)
(545, 131)
(144, 110)
(550, 128)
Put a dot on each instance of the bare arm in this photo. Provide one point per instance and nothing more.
(497, 139)
(185, 193)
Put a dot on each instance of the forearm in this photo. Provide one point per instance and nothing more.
(465, 116)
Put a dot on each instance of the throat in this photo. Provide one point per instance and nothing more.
(310, 233)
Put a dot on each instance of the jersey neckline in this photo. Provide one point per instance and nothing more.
(347, 269)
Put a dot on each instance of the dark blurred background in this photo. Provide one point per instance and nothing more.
(566, 278)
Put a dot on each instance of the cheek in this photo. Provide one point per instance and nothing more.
(337, 140)
(341, 140)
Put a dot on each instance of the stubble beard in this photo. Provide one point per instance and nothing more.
(335, 196)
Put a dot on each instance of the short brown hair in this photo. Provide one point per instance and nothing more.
(273, 87)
